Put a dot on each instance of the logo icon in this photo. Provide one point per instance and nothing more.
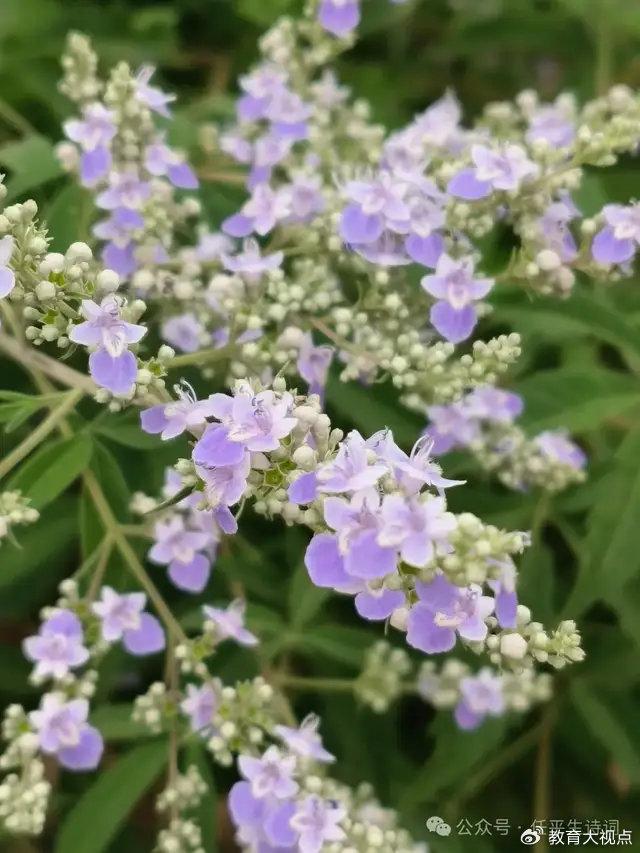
(437, 824)
(531, 835)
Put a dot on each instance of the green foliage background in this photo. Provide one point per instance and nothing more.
(577, 758)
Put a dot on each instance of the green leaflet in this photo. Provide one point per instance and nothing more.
(94, 820)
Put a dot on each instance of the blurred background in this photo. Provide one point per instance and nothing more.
(580, 757)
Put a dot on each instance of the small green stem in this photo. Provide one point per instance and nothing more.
(324, 685)
(203, 356)
(129, 556)
(40, 432)
(31, 359)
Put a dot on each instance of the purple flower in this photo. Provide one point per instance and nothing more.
(351, 470)
(506, 599)
(444, 610)
(174, 543)
(339, 17)
(112, 365)
(260, 214)
(183, 414)
(357, 523)
(7, 275)
(224, 485)
(212, 245)
(451, 426)
(125, 190)
(313, 364)
(305, 198)
(304, 489)
(455, 288)
(317, 821)
(270, 775)
(617, 242)
(250, 263)
(416, 528)
(255, 422)
(554, 228)
(230, 623)
(161, 160)
(551, 123)
(325, 565)
(153, 97)
(122, 618)
(416, 470)
(503, 169)
(58, 646)
(63, 731)
(105, 328)
(94, 134)
(376, 205)
(183, 331)
(305, 741)
(481, 695)
(200, 706)
(493, 404)
(558, 447)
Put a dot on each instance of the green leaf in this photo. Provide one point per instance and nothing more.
(16, 408)
(125, 429)
(96, 817)
(115, 723)
(612, 547)
(455, 755)
(536, 580)
(305, 599)
(52, 468)
(609, 727)
(336, 642)
(68, 216)
(31, 162)
(576, 400)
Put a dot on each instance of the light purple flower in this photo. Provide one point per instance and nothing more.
(339, 17)
(7, 275)
(417, 528)
(313, 364)
(58, 646)
(618, 241)
(481, 695)
(451, 426)
(317, 821)
(414, 471)
(181, 415)
(506, 599)
(251, 421)
(493, 404)
(444, 610)
(325, 565)
(503, 169)
(250, 263)
(377, 604)
(224, 485)
(260, 214)
(375, 205)
(200, 706)
(353, 468)
(358, 522)
(174, 541)
(63, 731)
(152, 96)
(183, 331)
(305, 740)
(125, 190)
(230, 623)
(554, 228)
(160, 160)
(558, 447)
(105, 328)
(271, 775)
(304, 197)
(552, 124)
(94, 134)
(122, 617)
(455, 288)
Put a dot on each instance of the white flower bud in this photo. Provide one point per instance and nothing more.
(513, 646)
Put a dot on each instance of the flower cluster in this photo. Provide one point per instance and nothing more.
(14, 510)
(483, 421)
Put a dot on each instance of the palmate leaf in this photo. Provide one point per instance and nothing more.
(97, 816)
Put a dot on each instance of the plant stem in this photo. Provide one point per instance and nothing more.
(30, 358)
(542, 782)
(329, 685)
(129, 555)
(203, 356)
(40, 432)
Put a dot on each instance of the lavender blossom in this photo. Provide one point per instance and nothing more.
(122, 617)
(58, 646)
(229, 623)
(481, 695)
(7, 275)
(63, 731)
(453, 284)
